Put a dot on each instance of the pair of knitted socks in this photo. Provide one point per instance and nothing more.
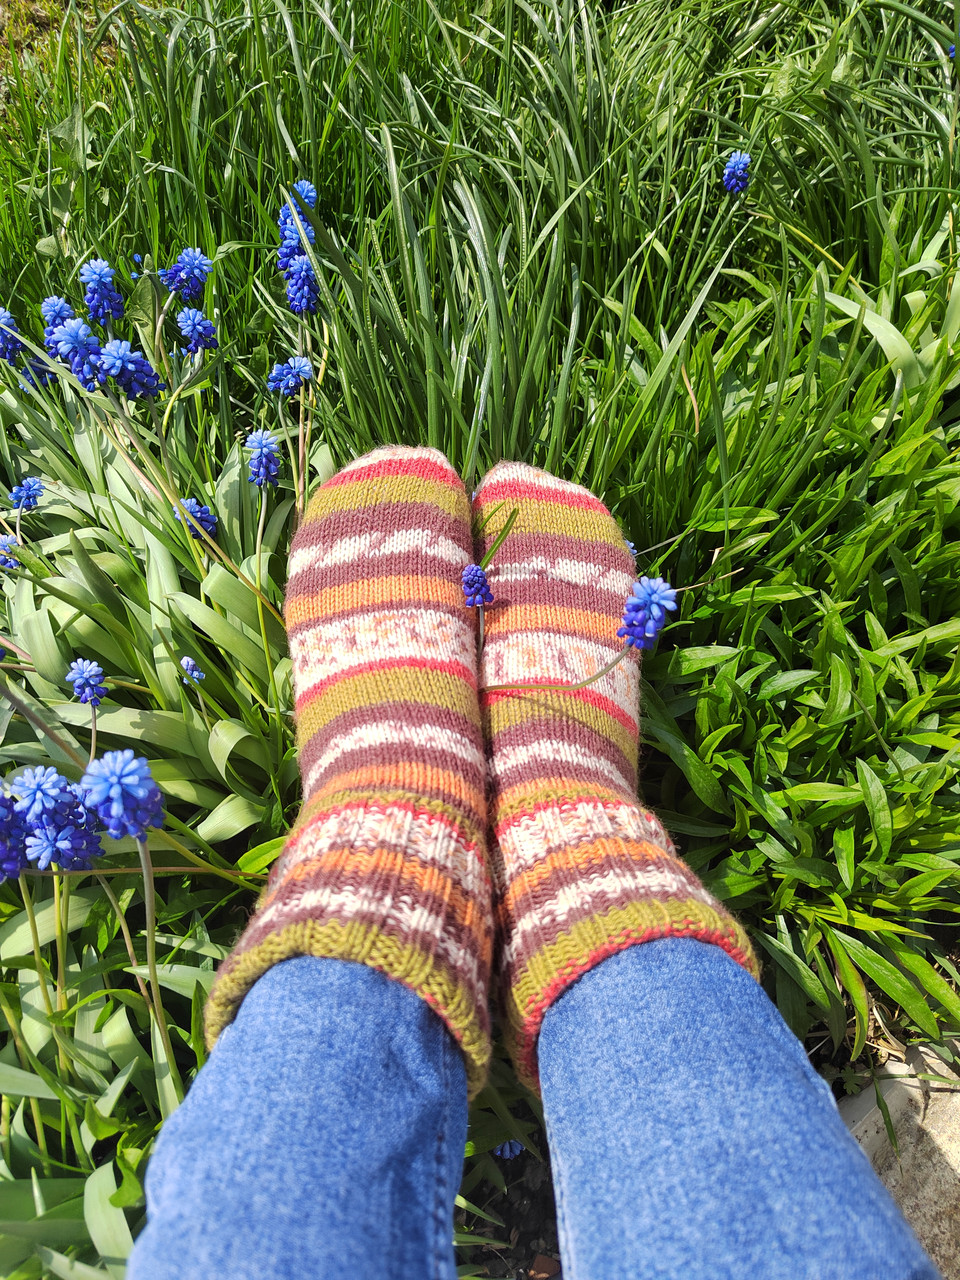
(444, 825)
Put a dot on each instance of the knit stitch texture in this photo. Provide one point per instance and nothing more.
(386, 863)
(581, 870)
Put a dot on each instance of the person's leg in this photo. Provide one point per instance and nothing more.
(583, 874)
(385, 867)
(689, 1134)
(324, 1138)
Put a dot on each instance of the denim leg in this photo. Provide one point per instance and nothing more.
(324, 1138)
(690, 1136)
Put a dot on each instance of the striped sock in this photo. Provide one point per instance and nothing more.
(581, 870)
(386, 863)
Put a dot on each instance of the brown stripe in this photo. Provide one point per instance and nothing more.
(579, 737)
(406, 686)
(400, 763)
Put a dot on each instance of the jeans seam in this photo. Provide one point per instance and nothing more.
(439, 1181)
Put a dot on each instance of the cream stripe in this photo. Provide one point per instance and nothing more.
(530, 836)
(338, 646)
(575, 901)
(531, 479)
(377, 543)
(425, 836)
(376, 734)
(581, 573)
(517, 657)
(549, 752)
(403, 915)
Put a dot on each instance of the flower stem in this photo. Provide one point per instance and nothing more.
(35, 936)
(150, 909)
(93, 733)
(581, 684)
(128, 941)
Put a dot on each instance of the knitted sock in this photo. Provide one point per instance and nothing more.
(581, 870)
(386, 863)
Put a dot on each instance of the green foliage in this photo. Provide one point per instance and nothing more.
(524, 250)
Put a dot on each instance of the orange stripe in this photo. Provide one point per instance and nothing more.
(415, 779)
(315, 608)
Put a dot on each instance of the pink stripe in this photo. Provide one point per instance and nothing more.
(498, 490)
(424, 468)
(370, 806)
(387, 664)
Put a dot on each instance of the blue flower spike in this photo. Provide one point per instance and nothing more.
(120, 787)
(7, 543)
(10, 344)
(291, 240)
(101, 299)
(191, 672)
(86, 677)
(201, 514)
(75, 343)
(40, 791)
(200, 333)
(70, 838)
(646, 612)
(188, 275)
(13, 834)
(476, 590)
(288, 378)
(131, 370)
(25, 496)
(736, 172)
(55, 312)
(303, 291)
(509, 1150)
(264, 460)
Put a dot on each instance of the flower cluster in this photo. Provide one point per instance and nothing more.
(645, 612)
(201, 514)
(76, 344)
(475, 588)
(188, 275)
(86, 677)
(509, 1150)
(736, 172)
(7, 543)
(46, 820)
(288, 378)
(303, 292)
(24, 497)
(121, 789)
(291, 239)
(200, 333)
(191, 671)
(131, 370)
(101, 299)
(10, 344)
(264, 462)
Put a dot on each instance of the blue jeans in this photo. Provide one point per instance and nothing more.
(689, 1136)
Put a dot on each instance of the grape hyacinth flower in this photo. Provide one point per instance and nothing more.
(131, 370)
(509, 1150)
(101, 299)
(264, 463)
(188, 274)
(952, 50)
(202, 515)
(191, 671)
(10, 344)
(86, 676)
(307, 193)
(475, 588)
(736, 172)
(55, 312)
(302, 289)
(198, 330)
(76, 345)
(289, 378)
(13, 834)
(41, 792)
(645, 611)
(291, 240)
(120, 787)
(36, 374)
(7, 543)
(24, 497)
(70, 839)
